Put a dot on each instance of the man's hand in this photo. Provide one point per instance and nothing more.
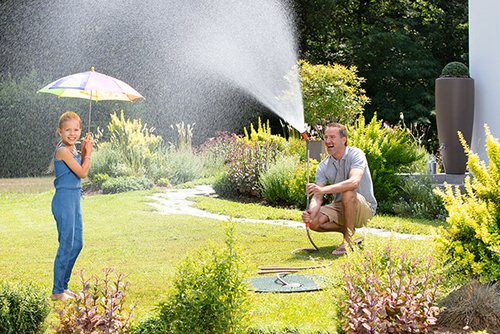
(314, 189)
(306, 217)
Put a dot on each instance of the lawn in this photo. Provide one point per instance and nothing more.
(122, 232)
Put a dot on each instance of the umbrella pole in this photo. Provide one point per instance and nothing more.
(90, 112)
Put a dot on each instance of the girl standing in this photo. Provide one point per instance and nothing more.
(69, 168)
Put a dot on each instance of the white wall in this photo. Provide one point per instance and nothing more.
(484, 58)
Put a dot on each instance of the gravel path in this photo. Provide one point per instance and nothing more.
(175, 202)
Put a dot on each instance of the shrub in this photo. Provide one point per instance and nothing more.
(331, 92)
(133, 141)
(151, 325)
(22, 108)
(184, 136)
(388, 293)
(455, 69)
(471, 243)
(418, 200)
(263, 135)
(107, 160)
(283, 183)
(297, 183)
(388, 151)
(221, 145)
(223, 186)
(475, 306)
(246, 164)
(98, 308)
(209, 294)
(23, 309)
(126, 183)
(273, 182)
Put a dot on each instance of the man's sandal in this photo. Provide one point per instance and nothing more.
(341, 250)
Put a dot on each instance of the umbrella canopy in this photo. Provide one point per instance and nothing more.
(93, 86)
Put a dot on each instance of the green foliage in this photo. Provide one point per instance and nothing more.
(331, 93)
(209, 293)
(126, 183)
(28, 126)
(263, 135)
(133, 141)
(418, 200)
(107, 160)
(98, 308)
(399, 46)
(178, 166)
(273, 181)
(388, 292)
(283, 183)
(247, 163)
(389, 150)
(223, 187)
(23, 309)
(184, 136)
(287, 330)
(455, 69)
(471, 243)
(151, 325)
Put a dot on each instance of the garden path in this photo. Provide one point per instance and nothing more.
(175, 202)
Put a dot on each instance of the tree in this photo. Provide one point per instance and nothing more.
(399, 46)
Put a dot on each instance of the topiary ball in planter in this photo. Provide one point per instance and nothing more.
(455, 69)
(454, 112)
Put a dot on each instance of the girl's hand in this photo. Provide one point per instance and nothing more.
(87, 145)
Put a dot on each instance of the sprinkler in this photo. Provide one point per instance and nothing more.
(280, 280)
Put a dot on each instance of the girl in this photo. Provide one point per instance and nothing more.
(69, 168)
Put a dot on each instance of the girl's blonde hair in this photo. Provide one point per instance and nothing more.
(67, 116)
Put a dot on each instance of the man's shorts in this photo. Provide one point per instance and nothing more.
(335, 212)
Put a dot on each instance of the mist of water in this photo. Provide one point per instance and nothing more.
(192, 60)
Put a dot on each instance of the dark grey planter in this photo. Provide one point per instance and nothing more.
(316, 149)
(454, 112)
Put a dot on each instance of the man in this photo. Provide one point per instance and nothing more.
(344, 173)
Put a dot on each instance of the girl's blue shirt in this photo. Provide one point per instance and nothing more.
(65, 177)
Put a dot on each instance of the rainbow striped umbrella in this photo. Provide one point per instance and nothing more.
(93, 86)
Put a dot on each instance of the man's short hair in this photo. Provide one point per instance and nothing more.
(341, 127)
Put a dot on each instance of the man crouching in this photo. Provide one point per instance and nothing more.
(346, 172)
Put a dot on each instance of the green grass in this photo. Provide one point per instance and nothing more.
(122, 232)
(256, 211)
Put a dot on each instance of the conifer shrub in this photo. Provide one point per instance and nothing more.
(388, 150)
(209, 292)
(388, 292)
(23, 309)
(471, 243)
(98, 308)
